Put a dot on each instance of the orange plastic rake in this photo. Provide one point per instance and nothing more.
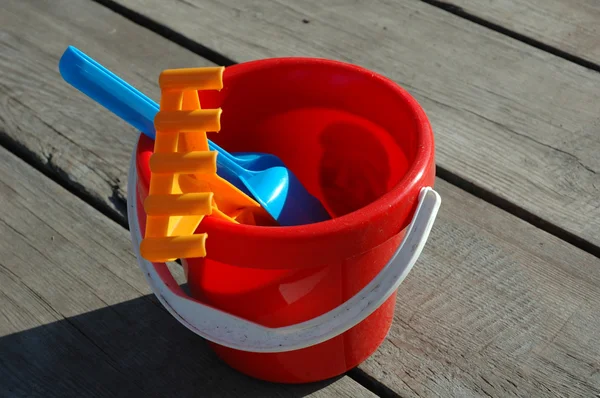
(184, 185)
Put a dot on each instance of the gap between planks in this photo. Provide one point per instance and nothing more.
(61, 178)
(443, 173)
(221, 59)
(462, 13)
(167, 33)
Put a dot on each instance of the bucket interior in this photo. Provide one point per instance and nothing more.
(348, 139)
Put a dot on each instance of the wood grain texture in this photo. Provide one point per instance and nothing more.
(52, 123)
(494, 307)
(572, 26)
(76, 317)
(511, 119)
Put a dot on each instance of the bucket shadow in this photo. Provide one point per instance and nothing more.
(134, 348)
(354, 170)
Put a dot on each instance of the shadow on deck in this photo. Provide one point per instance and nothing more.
(134, 348)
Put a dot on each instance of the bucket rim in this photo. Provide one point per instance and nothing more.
(388, 202)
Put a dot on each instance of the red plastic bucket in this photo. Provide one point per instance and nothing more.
(306, 303)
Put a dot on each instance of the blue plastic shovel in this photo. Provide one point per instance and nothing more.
(280, 193)
(130, 104)
(262, 176)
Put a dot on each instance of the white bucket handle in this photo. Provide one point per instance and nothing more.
(238, 333)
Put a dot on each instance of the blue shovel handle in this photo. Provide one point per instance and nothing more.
(114, 93)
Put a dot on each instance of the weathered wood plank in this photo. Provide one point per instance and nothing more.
(52, 123)
(572, 26)
(76, 319)
(516, 121)
(494, 307)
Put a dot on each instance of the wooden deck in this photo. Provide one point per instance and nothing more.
(504, 301)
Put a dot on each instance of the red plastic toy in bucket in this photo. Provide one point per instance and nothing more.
(309, 302)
